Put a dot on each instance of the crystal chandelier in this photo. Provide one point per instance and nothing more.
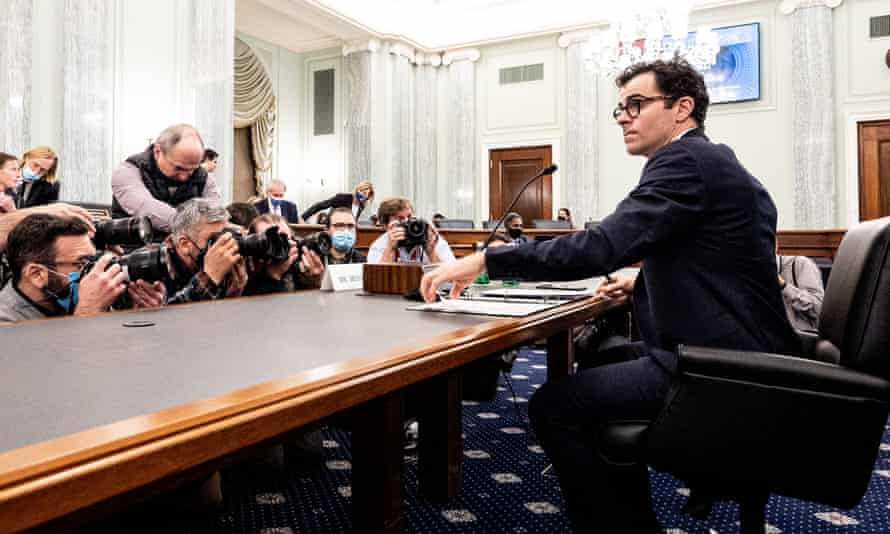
(648, 31)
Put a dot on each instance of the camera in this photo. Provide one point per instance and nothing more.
(416, 230)
(130, 231)
(147, 263)
(319, 242)
(270, 245)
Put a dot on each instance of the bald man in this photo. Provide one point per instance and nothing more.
(169, 172)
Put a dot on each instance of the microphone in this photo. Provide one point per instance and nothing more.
(548, 170)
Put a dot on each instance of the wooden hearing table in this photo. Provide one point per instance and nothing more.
(92, 409)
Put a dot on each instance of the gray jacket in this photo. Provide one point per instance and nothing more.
(803, 291)
(15, 307)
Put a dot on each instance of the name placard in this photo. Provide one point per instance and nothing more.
(344, 277)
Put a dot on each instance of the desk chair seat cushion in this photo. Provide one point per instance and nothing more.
(776, 419)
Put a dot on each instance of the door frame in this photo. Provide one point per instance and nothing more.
(484, 190)
(851, 157)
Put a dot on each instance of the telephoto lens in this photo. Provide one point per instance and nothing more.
(147, 263)
(130, 231)
(270, 245)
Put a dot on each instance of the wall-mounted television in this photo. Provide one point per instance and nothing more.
(735, 77)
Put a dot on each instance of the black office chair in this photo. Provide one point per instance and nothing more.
(548, 224)
(456, 223)
(590, 225)
(741, 425)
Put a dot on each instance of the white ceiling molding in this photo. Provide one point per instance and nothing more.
(790, 6)
(433, 59)
(469, 54)
(362, 45)
(569, 38)
(401, 49)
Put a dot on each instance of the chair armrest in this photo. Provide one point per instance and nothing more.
(782, 371)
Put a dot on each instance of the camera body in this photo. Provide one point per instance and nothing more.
(132, 231)
(416, 231)
(319, 242)
(269, 245)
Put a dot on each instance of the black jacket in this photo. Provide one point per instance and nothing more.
(340, 200)
(705, 230)
(41, 193)
(288, 209)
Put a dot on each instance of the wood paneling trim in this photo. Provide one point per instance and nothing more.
(50, 479)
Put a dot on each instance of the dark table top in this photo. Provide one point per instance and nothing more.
(65, 376)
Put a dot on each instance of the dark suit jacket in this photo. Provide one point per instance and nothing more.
(340, 200)
(288, 210)
(705, 230)
(41, 193)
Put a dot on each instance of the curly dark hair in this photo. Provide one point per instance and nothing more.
(674, 78)
(33, 240)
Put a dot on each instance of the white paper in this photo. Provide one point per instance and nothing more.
(485, 307)
(343, 277)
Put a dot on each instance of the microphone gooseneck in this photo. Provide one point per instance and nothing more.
(548, 170)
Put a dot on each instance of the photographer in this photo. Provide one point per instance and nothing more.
(393, 214)
(48, 256)
(298, 271)
(198, 269)
(341, 226)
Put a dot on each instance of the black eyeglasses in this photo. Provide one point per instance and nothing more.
(343, 226)
(634, 104)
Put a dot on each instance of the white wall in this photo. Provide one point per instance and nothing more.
(759, 132)
(312, 167)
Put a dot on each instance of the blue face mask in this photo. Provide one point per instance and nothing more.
(343, 240)
(360, 197)
(67, 298)
(28, 175)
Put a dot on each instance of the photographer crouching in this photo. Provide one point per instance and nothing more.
(55, 272)
(286, 266)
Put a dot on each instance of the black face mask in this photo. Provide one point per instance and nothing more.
(561, 218)
(514, 232)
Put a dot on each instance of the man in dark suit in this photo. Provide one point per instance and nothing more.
(704, 229)
(275, 204)
(361, 196)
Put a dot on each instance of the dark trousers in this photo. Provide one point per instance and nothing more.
(624, 383)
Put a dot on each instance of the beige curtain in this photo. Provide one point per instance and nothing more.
(254, 107)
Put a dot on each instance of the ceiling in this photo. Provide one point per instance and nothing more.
(429, 25)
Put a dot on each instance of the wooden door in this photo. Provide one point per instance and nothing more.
(874, 169)
(509, 169)
(244, 183)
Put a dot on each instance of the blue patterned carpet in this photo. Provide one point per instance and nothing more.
(503, 488)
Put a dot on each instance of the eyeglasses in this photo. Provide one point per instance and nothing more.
(80, 264)
(633, 105)
(343, 226)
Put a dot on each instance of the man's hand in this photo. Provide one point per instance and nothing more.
(144, 295)
(238, 281)
(100, 287)
(432, 238)
(220, 258)
(462, 272)
(60, 209)
(311, 265)
(396, 233)
(619, 286)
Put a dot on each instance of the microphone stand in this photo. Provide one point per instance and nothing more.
(549, 170)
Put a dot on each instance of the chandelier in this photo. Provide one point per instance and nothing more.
(648, 31)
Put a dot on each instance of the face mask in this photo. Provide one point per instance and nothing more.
(561, 218)
(360, 197)
(343, 240)
(514, 232)
(28, 175)
(66, 297)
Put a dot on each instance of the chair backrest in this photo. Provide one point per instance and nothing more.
(855, 318)
(456, 223)
(590, 225)
(551, 224)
